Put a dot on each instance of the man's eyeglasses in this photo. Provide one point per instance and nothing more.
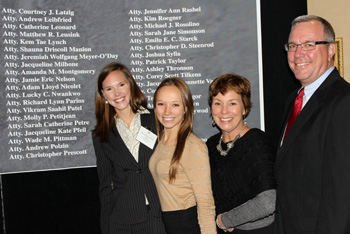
(309, 45)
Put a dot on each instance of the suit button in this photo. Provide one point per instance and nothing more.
(139, 171)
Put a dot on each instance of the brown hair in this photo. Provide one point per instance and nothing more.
(104, 112)
(234, 82)
(186, 125)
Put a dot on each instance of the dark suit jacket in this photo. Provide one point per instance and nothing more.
(132, 180)
(313, 164)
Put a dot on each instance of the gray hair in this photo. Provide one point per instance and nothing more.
(327, 27)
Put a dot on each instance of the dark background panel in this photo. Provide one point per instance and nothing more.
(66, 201)
(52, 202)
(279, 81)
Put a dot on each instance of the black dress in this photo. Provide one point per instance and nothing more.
(246, 171)
(123, 209)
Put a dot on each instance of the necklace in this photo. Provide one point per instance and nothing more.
(229, 144)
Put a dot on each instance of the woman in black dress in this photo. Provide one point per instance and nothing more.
(128, 196)
(241, 161)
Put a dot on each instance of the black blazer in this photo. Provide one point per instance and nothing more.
(313, 164)
(132, 180)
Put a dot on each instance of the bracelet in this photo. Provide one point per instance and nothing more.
(218, 224)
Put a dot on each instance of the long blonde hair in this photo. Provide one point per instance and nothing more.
(186, 125)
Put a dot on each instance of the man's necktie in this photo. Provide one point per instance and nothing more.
(298, 103)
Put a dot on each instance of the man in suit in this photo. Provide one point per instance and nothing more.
(313, 160)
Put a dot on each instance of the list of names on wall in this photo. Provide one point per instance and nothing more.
(158, 38)
(52, 52)
(43, 83)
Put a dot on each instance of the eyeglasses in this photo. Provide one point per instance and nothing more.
(309, 45)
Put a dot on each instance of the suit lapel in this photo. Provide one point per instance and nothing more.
(146, 123)
(119, 145)
(311, 106)
(286, 116)
(142, 147)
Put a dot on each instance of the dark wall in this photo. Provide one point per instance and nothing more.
(66, 201)
(279, 82)
(52, 202)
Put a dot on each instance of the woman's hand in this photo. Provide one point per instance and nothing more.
(221, 225)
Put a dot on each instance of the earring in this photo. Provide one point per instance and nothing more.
(106, 102)
(244, 120)
(213, 124)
